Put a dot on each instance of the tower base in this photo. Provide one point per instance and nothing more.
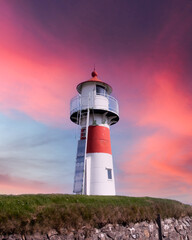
(100, 178)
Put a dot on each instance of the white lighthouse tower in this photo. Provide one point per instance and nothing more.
(95, 110)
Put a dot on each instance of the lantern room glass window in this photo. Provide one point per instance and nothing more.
(100, 90)
(109, 173)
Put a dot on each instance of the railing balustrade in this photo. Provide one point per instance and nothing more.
(76, 103)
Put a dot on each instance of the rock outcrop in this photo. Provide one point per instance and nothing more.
(172, 229)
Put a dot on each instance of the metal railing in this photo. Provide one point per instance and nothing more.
(76, 103)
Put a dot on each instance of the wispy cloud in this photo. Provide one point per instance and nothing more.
(19, 185)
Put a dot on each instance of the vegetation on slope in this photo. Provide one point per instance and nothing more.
(32, 213)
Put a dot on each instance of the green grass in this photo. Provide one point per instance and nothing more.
(32, 213)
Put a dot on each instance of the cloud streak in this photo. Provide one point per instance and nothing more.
(16, 185)
(158, 105)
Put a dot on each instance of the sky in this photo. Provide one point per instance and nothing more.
(142, 48)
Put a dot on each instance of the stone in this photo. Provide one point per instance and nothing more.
(52, 233)
(81, 237)
(145, 224)
(176, 222)
(36, 236)
(131, 225)
(14, 237)
(110, 226)
(174, 236)
(185, 227)
(166, 227)
(186, 223)
(101, 236)
(70, 236)
(151, 227)
(178, 228)
(131, 229)
(111, 235)
(63, 231)
(94, 237)
(135, 236)
(10, 237)
(56, 237)
(97, 230)
(182, 232)
(137, 225)
(156, 236)
(172, 230)
(168, 221)
(189, 237)
(146, 233)
(165, 234)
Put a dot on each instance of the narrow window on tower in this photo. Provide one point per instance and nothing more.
(100, 90)
(109, 173)
(83, 133)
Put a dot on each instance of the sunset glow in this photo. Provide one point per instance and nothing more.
(141, 48)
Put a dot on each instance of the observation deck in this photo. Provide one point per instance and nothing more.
(99, 103)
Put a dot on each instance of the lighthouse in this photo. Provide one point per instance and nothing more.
(94, 110)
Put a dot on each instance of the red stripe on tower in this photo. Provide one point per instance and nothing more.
(98, 140)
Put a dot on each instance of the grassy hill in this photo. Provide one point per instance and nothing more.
(32, 213)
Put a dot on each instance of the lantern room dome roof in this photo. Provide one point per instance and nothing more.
(97, 81)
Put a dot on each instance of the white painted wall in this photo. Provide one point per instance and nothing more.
(91, 99)
(98, 182)
(98, 118)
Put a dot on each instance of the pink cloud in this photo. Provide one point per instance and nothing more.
(167, 106)
(158, 165)
(38, 91)
(158, 100)
(15, 185)
(34, 80)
